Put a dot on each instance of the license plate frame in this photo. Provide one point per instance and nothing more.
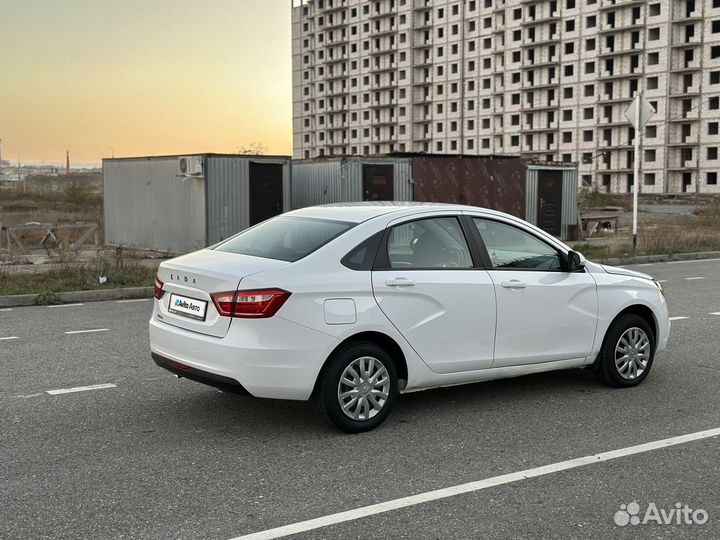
(187, 307)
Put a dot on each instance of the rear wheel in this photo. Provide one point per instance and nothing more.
(357, 388)
(627, 352)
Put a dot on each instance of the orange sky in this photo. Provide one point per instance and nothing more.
(140, 77)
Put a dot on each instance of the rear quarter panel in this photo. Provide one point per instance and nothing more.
(320, 277)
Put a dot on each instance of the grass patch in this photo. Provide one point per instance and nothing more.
(657, 243)
(66, 277)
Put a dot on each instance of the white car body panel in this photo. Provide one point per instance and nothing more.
(447, 337)
(197, 275)
(553, 317)
(444, 310)
(621, 292)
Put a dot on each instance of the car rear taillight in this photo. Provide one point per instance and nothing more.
(158, 288)
(257, 304)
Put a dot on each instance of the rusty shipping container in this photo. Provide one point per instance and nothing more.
(487, 181)
(545, 194)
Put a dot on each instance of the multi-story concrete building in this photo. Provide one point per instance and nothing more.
(545, 79)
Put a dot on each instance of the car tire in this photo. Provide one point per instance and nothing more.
(363, 378)
(627, 352)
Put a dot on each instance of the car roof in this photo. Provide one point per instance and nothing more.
(357, 212)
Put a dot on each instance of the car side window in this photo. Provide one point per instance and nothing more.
(513, 248)
(428, 243)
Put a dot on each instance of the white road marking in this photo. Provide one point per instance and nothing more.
(8, 338)
(29, 396)
(133, 300)
(663, 280)
(676, 318)
(689, 278)
(80, 389)
(716, 313)
(87, 331)
(470, 487)
(692, 261)
(645, 264)
(66, 305)
(6, 309)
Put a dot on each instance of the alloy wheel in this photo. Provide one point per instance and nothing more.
(364, 388)
(632, 353)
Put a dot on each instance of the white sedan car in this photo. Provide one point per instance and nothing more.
(351, 304)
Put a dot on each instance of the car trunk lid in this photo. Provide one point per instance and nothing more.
(190, 279)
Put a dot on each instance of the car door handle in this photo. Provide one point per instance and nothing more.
(399, 282)
(513, 284)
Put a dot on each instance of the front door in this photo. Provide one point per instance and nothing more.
(544, 313)
(266, 191)
(426, 284)
(378, 182)
(550, 201)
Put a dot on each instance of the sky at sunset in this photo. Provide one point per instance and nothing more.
(143, 77)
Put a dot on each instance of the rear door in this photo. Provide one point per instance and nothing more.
(430, 287)
(544, 313)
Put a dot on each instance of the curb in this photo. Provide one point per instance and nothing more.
(645, 259)
(69, 297)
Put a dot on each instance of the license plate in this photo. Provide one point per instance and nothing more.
(187, 307)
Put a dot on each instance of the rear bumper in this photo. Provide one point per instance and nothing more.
(211, 379)
(269, 358)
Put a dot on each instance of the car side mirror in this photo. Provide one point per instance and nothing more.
(576, 261)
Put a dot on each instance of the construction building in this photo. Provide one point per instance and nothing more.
(546, 80)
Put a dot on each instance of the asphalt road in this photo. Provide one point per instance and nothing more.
(158, 457)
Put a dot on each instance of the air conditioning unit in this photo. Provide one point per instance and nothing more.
(190, 165)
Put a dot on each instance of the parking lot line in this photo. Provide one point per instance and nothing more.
(676, 318)
(80, 389)
(691, 278)
(6, 309)
(716, 313)
(87, 331)
(470, 487)
(8, 338)
(65, 305)
(132, 300)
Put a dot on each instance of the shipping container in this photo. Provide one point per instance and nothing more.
(182, 203)
(494, 182)
(544, 194)
(551, 198)
(350, 179)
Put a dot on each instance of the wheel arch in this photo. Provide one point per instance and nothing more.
(644, 312)
(381, 340)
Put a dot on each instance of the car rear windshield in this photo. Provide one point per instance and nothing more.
(285, 238)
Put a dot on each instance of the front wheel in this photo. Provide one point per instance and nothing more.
(357, 388)
(627, 352)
